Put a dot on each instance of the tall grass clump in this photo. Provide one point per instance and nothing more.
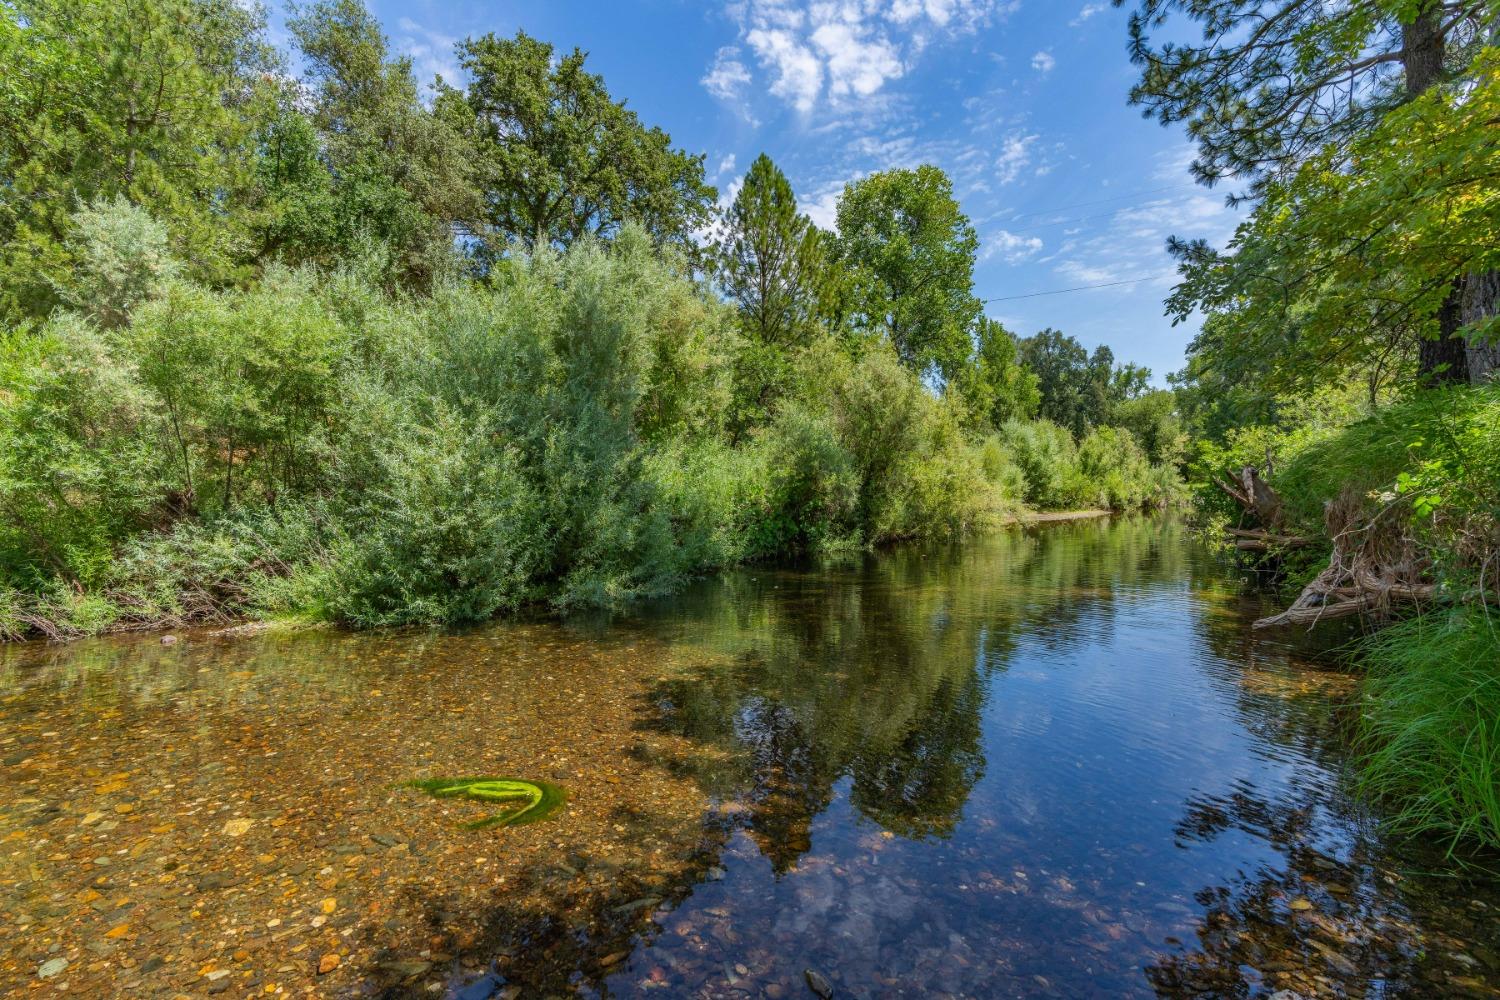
(1430, 724)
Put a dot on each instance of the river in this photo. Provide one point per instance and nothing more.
(1052, 762)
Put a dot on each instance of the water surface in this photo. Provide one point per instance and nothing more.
(1053, 763)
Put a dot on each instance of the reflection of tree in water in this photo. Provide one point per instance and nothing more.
(1307, 921)
(919, 788)
(1317, 926)
(879, 672)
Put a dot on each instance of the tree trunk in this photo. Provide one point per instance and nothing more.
(1481, 300)
(1445, 359)
(1422, 49)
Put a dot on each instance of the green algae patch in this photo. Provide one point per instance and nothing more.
(537, 799)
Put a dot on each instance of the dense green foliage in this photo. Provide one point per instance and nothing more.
(902, 235)
(559, 158)
(569, 432)
(1365, 279)
(336, 347)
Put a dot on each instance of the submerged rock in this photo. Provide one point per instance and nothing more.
(815, 982)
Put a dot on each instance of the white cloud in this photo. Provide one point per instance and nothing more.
(1012, 247)
(726, 166)
(838, 52)
(1043, 62)
(821, 205)
(1088, 11)
(799, 72)
(857, 65)
(727, 78)
(1015, 155)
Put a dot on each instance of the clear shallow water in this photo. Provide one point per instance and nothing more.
(1050, 763)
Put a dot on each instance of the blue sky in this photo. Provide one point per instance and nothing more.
(1022, 102)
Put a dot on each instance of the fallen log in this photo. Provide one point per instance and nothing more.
(1269, 537)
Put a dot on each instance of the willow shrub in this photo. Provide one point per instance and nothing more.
(575, 430)
(449, 530)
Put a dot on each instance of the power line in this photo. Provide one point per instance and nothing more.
(1079, 288)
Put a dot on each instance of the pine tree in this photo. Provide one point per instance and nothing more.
(770, 258)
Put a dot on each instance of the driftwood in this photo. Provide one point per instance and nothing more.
(1374, 566)
(1262, 540)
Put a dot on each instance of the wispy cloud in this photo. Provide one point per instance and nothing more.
(1088, 11)
(1015, 155)
(1013, 248)
(1043, 62)
(1130, 242)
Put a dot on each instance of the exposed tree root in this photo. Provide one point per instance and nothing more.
(1375, 565)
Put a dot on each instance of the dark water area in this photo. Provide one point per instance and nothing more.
(1055, 762)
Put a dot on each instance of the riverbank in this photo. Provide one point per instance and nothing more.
(196, 608)
(1045, 517)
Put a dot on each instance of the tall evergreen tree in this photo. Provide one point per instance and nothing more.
(155, 101)
(771, 258)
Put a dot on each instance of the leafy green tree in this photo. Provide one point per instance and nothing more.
(400, 175)
(1347, 270)
(1060, 365)
(560, 159)
(1079, 390)
(1152, 419)
(1273, 86)
(155, 101)
(903, 231)
(995, 385)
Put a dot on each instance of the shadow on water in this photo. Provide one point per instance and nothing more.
(1054, 762)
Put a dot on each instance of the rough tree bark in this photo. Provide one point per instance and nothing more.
(1423, 46)
(1481, 300)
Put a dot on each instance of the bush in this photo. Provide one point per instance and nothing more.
(714, 495)
(120, 259)
(1002, 473)
(1116, 470)
(1048, 459)
(449, 532)
(80, 462)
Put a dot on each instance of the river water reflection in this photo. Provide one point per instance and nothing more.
(1051, 763)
